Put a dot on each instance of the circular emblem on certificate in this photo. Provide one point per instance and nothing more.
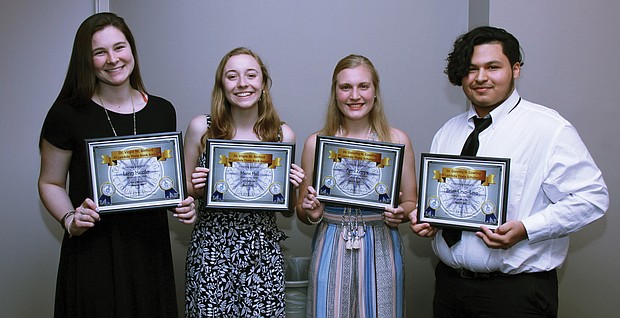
(354, 177)
(329, 182)
(248, 180)
(461, 198)
(433, 202)
(381, 188)
(221, 186)
(166, 183)
(488, 207)
(136, 179)
(107, 189)
(275, 188)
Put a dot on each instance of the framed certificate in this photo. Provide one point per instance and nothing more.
(249, 175)
(136, 172)
(463, 192)
(357, 172)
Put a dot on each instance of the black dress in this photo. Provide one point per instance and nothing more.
(235, 264)
(122, 267)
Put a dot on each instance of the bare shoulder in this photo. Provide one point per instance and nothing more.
(311, 140)
(198, 125)
(288, 135)
(399, 136)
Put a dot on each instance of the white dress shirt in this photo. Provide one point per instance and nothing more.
(555, 187)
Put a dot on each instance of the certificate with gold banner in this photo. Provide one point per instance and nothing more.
(136, 172)
(463, 192)
(249, 175)
(357, 172)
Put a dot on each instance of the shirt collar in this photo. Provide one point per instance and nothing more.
(500, 112)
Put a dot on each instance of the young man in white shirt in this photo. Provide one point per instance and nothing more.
(555, 188)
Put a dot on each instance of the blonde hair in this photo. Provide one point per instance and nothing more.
(376, 117)
(267, 126)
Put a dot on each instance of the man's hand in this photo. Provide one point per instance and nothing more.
(505, 236)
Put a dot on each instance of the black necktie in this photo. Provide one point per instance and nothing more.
(470, 148)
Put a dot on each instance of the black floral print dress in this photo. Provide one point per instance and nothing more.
(235, 266)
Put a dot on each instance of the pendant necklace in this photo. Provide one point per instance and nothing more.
(352, 230)
(133, 110)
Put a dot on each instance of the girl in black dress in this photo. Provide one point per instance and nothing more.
(235, 266)
(113, 265)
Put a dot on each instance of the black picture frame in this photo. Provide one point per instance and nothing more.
(249, 175)
(357, 172)
(463, 192)
(136, 172)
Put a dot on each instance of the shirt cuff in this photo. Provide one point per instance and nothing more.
(537, 228)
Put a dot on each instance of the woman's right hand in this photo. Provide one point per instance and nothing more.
(421, 229)
(84, 218)
(199, 177)
(311, 205)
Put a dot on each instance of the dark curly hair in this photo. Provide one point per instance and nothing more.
(459, 59)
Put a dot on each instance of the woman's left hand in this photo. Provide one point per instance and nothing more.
(393, 216)
(186, 211)
(297, 175)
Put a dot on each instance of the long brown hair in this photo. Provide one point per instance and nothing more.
(376, 117)
(80, 83)
(267, 126)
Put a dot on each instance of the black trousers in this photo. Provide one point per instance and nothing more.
(468, 295)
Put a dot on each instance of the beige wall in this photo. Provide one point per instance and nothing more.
(572, 65)
(569, 66)
(36, 38)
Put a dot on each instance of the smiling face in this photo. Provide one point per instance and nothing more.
(491, 78)
(242, 81)
(355, 92)
(113, 59)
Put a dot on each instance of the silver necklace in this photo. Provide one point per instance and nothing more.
(370, 135)
(352, 230)
(133, 110)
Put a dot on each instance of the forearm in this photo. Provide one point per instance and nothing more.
(310, 217)
(573, 192)
(194, 192)
(309, 210)
(408, 207)
(299, 211)
(561, 218)
(293, 204)
(58, 204)
(55, 199)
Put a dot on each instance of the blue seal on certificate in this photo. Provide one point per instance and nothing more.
(382, 189)
(167, 184)
(328, 183)
(433, 205)
(220, 188)
(276, 191)
(488, 209)
(107, 190)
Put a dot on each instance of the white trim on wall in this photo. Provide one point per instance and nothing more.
(102, 6)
